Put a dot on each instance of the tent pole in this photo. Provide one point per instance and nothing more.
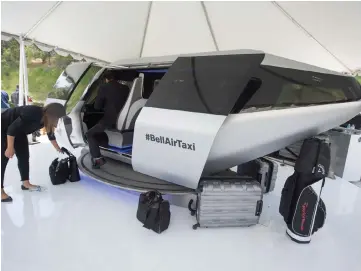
(145, 29)
(209, 25)
(21, 72)
(25, 74)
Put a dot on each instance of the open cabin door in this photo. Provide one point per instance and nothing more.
(67, 82)
(68, 90)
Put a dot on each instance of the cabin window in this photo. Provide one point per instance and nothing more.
(151, 80)
(124, 77)
(295, 94)
(285, 87)
(252, 86)
(79, 89)
(62, 87)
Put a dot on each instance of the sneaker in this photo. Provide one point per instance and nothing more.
(98, 162)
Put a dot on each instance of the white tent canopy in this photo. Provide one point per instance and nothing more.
(325, 34)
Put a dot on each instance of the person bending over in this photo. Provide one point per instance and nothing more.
(111, 99)
(17, 123)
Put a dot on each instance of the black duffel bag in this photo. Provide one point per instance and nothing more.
(74, 175)
(59, 171)
(153, 212)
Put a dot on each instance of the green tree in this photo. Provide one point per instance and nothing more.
(358, 79)
(41, 77)
(10, 53)
(33, 52)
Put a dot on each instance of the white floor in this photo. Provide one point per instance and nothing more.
(89, 226)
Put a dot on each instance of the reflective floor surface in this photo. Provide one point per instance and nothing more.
(87, 226)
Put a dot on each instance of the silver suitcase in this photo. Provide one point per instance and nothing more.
(227, 201)
(263, 170)
(272, 175)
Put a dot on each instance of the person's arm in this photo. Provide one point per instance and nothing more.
(53, 141)
(55, 145)
(10, 150)
(99, 100)
(14, 129)
(27, 117)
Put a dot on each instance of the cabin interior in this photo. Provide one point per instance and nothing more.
(141, 83)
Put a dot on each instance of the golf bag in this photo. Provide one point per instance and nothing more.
(301, 206)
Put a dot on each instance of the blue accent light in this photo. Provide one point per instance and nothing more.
(112, 191)
(108, 189)
(125, 149)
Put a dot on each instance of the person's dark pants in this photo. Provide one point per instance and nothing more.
(94, 135)
(21, 146)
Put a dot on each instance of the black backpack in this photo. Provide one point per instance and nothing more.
(153, 211)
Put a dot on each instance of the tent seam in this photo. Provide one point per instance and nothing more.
(145, 29)
(46, 15)
(295, 22)
(209, 25)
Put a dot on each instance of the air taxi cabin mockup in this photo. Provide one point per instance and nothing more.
(191, 115)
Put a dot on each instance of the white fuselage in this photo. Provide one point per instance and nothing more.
(247, 136)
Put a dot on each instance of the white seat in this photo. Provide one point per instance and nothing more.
(133, 113)
(135, 94)
(121, 136)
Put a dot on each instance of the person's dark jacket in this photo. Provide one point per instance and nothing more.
(23, 120)
(111, 99)
(4, 100)
(15, 98)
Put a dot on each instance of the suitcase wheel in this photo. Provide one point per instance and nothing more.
(195, 226)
